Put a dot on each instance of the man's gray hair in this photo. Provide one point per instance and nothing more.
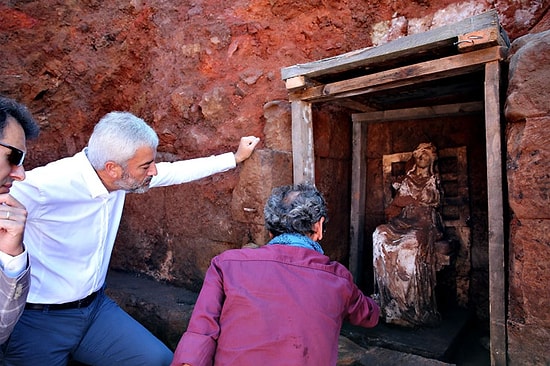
(117, 136)
(294, 209)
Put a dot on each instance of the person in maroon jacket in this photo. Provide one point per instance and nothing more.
(280, 304)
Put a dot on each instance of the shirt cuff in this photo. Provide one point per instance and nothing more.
(13, 266)
(229, 160)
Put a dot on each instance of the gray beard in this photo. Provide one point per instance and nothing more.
(125, 186)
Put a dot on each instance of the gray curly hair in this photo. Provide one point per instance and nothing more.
(294, 209)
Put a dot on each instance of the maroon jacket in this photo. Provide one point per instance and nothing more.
(275, 305)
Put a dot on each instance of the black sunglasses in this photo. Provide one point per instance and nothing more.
(16, 156)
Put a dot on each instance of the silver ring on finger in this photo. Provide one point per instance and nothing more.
(7, 215)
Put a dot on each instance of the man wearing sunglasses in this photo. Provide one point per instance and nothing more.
(16, 126)
(75, 205)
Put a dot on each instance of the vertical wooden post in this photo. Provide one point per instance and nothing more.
(358, 189)
(303, 153)
(497, 299)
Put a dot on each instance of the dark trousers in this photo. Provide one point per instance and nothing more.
(101, 334)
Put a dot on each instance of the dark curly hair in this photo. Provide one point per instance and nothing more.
(294, 209)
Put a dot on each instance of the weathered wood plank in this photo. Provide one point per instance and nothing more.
(356, 106)
(358, 193)
(478, 39)
(295, 82)
(401, 47)
(497, 300)
(435, 111)
(402, 76)
(302, 143)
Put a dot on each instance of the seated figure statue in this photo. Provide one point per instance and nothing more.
(404, 256)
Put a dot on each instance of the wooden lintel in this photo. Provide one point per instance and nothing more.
(482, 38)
(419, 112)
(402, 76)
(399, 48)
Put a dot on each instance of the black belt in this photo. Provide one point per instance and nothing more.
(82, 303)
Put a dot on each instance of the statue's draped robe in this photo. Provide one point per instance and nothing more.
(404, 255)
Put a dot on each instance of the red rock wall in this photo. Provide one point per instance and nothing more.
(528, 167)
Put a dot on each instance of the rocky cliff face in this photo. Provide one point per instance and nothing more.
(203, 73)
(199, 71)
(528, 167)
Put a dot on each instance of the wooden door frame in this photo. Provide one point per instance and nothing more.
(488, 60)
(481, 45)
(304, 170)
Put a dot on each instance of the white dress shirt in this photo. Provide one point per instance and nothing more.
(73, 220)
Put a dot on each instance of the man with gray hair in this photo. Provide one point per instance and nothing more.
(16, 126)
(75, 205)
(281, 303)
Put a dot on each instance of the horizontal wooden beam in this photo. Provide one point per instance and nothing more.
(400, 48)
(436, 111)
(402, 76)
(355, 106)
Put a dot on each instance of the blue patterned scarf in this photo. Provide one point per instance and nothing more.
(296, 240)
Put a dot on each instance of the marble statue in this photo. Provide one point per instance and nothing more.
(404, 256)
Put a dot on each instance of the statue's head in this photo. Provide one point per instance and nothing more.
(426, 149)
